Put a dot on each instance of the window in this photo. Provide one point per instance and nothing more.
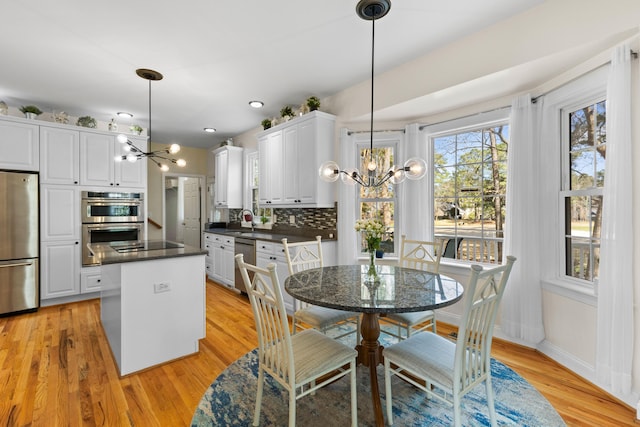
(470, 177)
(378, 202)
(262, 215)
(584, 146)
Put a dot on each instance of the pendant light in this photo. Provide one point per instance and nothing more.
(136, 153)
(414, 168)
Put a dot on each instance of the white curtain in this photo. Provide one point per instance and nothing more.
(416, 202)
(615, 289)
(521, 307)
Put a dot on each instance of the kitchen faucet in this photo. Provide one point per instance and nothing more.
(244, 217)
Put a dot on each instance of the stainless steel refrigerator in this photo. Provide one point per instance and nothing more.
(19, 241)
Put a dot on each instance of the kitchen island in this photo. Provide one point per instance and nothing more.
(152, 302)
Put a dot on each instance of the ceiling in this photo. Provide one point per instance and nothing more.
(215, 56)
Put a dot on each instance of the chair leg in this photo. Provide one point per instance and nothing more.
(490, 401)
(433, 324)
(354, 396)
(387, 391)
(256, 414)
(409, 329)
(457, 413)
(292, 407)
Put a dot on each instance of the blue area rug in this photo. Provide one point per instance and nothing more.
(230, 401)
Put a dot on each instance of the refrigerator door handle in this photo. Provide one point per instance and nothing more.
(14, 264)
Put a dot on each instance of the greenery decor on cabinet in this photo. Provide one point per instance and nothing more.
(136, 129)
(266, 124)
(87, 122)
(30, 111)
(313, 103)
(286, 112)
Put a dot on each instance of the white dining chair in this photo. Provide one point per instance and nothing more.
(303, 256)
(450, 370)
(421, 255)
(298, 361)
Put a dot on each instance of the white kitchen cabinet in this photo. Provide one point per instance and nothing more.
(19, 145)
(60, 213)
(209, 241)
(90, 279)
(60, 269)
(228, 177)
(98, 166)
(272, 252)
(292, 168)
(59, 156)
(223, 264)
(270, 148)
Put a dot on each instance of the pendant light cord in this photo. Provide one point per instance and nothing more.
(149, 112)
(373, 42)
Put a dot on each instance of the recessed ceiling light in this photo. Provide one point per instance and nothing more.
(256, 104)
(210, 130)
(123, 114)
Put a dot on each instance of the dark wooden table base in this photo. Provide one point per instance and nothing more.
(370, 354)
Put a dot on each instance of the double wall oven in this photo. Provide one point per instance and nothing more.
(110, 217)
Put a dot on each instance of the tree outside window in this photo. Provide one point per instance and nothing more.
(585, 141)
(378, 202)
(470, 177)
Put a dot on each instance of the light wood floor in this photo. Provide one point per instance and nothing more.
(56, 369)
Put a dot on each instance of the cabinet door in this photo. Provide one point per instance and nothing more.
(229, 262)
(128, 174)
(97, 159)
(19, 146)
(59, 156)
(290, 165)
(221, 174)
(60, 212)
(270, 152)
(307, 162)
(60, 265)
(90, 280)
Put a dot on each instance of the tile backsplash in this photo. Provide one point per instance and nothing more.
(308, 221)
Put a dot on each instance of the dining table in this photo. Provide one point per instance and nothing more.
(373, 291)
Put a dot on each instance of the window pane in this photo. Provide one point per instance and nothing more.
(582, 167)
(383, 211)
(469, 202)
(581, 128)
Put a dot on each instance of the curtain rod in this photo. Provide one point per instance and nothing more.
(350, 132)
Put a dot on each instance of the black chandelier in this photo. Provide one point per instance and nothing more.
(414, 168)
(136, 153)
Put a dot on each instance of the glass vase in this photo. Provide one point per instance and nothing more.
(372, 264)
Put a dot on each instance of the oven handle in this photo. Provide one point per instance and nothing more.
(14, 264)
(114, 228)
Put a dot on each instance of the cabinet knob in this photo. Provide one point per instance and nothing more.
(98, 280)
(77, 243)
(111, 184)
(75, 182)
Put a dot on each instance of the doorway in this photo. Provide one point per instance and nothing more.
(183, 207)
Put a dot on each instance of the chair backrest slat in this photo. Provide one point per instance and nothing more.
(475, 334)
(303, 256)
(421, 255)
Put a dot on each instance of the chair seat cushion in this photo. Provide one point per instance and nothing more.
(426, 355)
(322, 317)
(316, 354)
(413, 318)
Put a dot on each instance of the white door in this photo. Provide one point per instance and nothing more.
(191, 224)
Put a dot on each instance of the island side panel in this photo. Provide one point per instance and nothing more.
(163, 310)
(110, 308)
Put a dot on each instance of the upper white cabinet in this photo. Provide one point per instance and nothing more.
(19, 145)
(228, 177)
(290, 155)
(59, 156)
(98, 165)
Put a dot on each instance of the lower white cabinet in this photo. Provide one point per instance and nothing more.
(271, 252)
(90, 280)
(219, 262)
(59, 269)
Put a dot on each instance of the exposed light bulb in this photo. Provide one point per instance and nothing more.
(372, 165)
(122, 138)
(174, 148)
(132, 158)
(118, 158)
(329, 171)
(181, 162)
(163, 167)
(415, 168)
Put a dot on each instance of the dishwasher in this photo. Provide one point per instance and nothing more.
(246, 247)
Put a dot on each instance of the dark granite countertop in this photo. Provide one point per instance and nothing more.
(118, 252)
(264, 234)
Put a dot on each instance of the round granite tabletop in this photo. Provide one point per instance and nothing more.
(392, 289)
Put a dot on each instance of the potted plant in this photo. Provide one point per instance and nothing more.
(266, 124)
(286, 113)
(313, 103)
(87, 122)
(30, 111)
(135, 129)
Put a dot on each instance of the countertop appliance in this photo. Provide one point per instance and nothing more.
(246, 247)
(19, 242)
(110, 217)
